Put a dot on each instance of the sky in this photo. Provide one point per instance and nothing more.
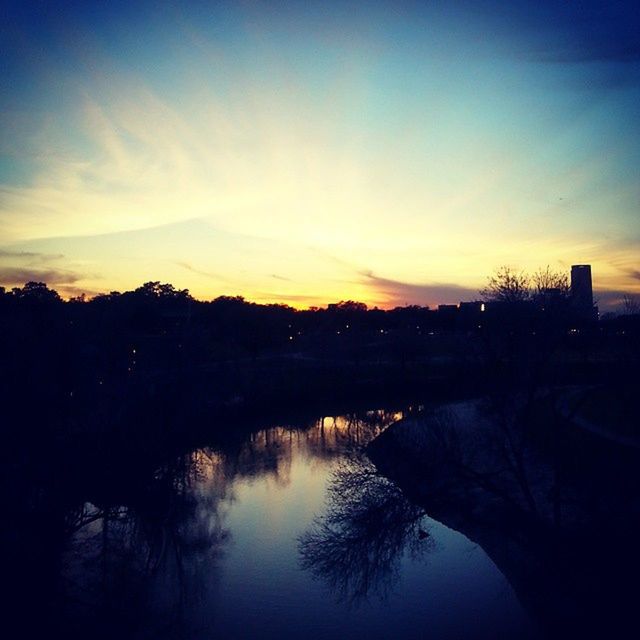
(388, 152)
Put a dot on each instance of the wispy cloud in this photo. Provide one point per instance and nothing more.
(201, 272)
(29, 255)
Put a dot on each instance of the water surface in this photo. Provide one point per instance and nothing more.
(290, 533)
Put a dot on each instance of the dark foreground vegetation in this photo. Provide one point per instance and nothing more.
(68, 353)
(102, 397)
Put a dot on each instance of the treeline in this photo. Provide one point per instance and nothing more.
(157, 328)
(232, 327)
(58, 355)
(232, 324)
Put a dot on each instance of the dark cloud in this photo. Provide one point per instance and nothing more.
(635, 274)
(21, 275)
(609, 300)
(277, 277)
(7, 253)
(398, 293)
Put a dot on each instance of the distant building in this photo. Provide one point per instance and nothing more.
(448, 308)
(470, 315)
(471, 307)
(582, 291)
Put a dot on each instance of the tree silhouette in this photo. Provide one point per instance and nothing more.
(630, 305)
(551, 291)
(507, 285)
(36, 292)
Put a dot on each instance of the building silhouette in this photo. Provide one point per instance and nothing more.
(582, 291)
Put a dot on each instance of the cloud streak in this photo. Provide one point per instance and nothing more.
(29, 255)
(201, 272)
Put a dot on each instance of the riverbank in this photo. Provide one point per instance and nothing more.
(559, 520)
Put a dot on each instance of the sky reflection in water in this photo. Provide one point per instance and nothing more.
(290, 534)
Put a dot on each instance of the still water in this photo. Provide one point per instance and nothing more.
(287, 533)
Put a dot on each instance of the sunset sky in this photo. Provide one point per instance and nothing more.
(310, 152)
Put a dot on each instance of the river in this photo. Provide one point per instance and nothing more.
(288, 532)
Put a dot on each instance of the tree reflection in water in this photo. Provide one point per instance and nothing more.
(134, 542)
(357, 546)
(140, 566)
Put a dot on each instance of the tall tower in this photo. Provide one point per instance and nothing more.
(582, 291)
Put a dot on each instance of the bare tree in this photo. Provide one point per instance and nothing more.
(507, 285)
(552, 293)
(549, 282)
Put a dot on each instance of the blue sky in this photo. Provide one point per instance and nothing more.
(393, 153)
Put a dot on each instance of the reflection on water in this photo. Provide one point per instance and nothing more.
(289, 533)
(356, 545)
